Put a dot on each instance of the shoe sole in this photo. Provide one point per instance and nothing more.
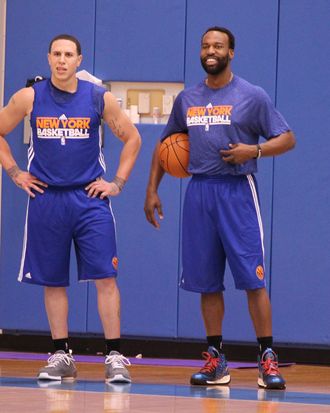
(274, 386)
(223, 380)
(46, 376)
(118, 378)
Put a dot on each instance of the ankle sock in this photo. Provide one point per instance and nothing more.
(216, 342)
(61, 344)
(112, 344)
(264, 343)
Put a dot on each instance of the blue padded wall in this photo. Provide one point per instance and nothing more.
(246, 63)
(301, 260)
(21, 306)
(27, 47)
(148, 258)
(140, 40)
(254, 24)
(281, 46)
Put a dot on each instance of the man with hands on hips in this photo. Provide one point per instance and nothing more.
(69, 199)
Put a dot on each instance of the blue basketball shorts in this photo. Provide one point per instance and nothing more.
(222, 223)
(55, 220)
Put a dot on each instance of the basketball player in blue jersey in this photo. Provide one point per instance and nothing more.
(224, 116)
(68, 198)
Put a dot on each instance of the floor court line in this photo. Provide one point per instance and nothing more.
(7, 355)
(214, 392)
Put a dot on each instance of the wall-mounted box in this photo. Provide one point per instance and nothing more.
(147, 96)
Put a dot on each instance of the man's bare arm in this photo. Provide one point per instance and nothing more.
(124, 130)
(11, 115)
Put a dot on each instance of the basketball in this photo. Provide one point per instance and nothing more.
(174, 155)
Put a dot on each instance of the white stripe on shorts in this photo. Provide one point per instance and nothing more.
(20, 275)
(257, 206)
(114, 219)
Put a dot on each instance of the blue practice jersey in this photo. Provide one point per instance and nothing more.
(65, 148)
(214, 118)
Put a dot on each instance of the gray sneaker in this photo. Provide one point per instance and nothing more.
(60, 367)
(115, 368)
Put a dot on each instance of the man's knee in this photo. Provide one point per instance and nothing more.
(106, 284)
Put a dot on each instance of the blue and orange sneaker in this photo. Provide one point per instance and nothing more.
(269, 375)
(215, 370)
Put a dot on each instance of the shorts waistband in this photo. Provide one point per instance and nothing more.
(219, 177)
(66, 188)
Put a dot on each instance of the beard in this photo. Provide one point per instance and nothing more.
(217, 68)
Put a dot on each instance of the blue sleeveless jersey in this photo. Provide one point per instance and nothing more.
(65, 148)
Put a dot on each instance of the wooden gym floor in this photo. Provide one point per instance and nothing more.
(158, 389)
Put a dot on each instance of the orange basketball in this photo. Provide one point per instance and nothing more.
(174, 155)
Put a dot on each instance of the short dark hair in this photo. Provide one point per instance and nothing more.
(66, 37)
(230, 35)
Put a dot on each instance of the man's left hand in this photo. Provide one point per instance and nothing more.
(238, 153)
(102, 188)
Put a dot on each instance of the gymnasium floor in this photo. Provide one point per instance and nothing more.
(159, 386)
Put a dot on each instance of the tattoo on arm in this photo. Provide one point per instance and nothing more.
(13, 172)
(117, 129)
(119, 182)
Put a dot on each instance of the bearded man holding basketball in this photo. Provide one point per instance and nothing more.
(224, 117)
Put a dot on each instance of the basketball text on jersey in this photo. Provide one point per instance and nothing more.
(62, 127)
(209, 115)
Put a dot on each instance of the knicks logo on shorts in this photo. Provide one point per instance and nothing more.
(115, 263)
(260, 272)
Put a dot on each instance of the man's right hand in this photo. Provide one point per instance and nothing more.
(26, 181)
(152, 203)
